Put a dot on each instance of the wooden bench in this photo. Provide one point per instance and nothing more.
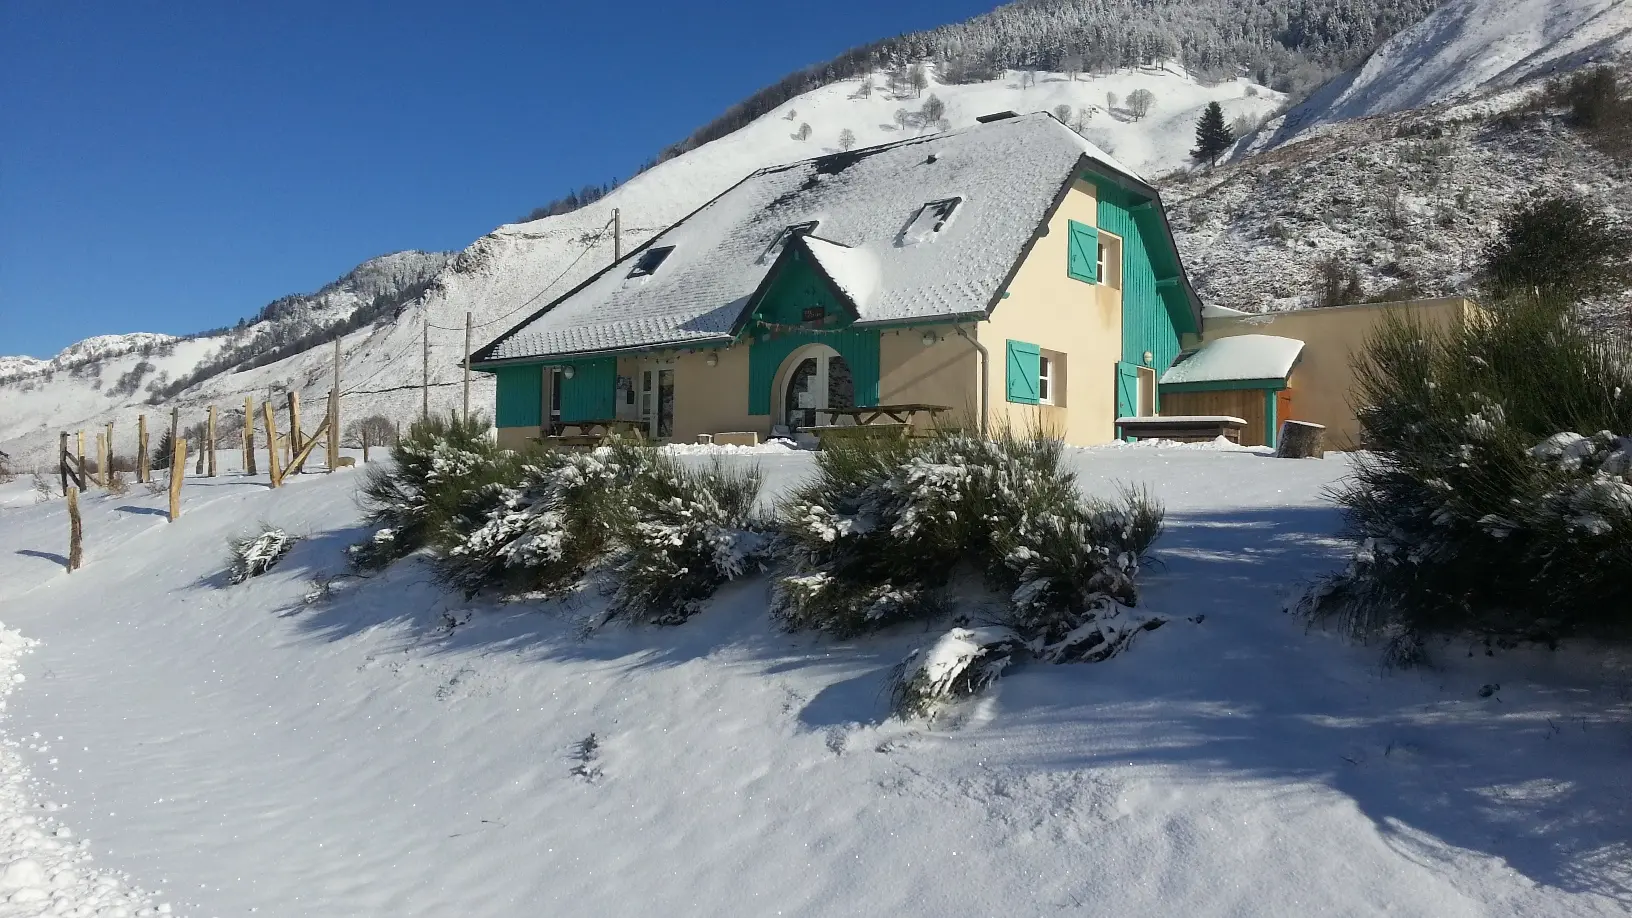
(1183, 428)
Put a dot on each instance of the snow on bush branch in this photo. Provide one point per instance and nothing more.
(252, 556)
(885, 526)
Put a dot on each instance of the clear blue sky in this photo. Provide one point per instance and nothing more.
(173, 166)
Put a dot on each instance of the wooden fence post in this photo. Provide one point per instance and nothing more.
(271, 444)
(62, 461)
(101, 460)
(209, 439)
(175, 427)
(79, 453)
(178, 471)
(108, 475)
(198, 469)
(143, 464)
(294, 432)
(76, 532)
(249, 435)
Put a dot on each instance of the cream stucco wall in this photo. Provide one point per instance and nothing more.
(1081, 321)
(713, 399)
(944, 373)
(1323, 383)
(517, 438)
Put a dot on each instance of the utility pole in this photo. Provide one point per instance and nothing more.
(334, 412)
(425, 374)
(617, 235)
(467, 366)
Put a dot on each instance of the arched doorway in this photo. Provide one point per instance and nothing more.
(813, 377)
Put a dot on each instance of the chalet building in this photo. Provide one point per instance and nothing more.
(1007, 274)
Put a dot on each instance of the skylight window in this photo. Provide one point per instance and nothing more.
(646, 264)
(788, 232)
(930, 220)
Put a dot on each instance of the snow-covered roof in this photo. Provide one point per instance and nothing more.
(1006, 176)
(1237, 357)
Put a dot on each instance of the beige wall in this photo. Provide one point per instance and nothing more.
(517, 438)
(1081, 321)
(1323, 383)
(944, 373)
(713, 399)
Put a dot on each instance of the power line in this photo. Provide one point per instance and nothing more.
(534, 298)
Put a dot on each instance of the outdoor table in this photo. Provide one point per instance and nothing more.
(869, 414)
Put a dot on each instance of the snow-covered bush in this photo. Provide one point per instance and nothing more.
(1477, 509)
(885, 526)
(544, 528)
(377, 553)
(682, 532)
(437, 469)
(254, 555)
(961, 663)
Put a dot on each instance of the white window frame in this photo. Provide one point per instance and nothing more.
(1099, 267)
(1045, 379)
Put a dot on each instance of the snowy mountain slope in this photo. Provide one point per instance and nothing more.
(1407, 200)
(253, 752)
(515, 269)
(113, 377)
(1468, 46)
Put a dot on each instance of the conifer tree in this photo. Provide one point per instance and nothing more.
(1213, 136)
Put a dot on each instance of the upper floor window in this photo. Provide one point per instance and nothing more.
(1045, 380)
(649, 260)
(1100, 273)
(931, 219)
(788, 232)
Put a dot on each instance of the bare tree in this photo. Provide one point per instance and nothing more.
(792, 114)
(847, 139)
(804, 131)
(902, 118)
(865, 90)
(933, 109)
(1110, 101)
(1028, 78)
(374, 430)
(1071, 63)
(1063, 112)
(1139, 102)
(918, 78)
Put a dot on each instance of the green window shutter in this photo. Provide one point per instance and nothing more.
(1024, 363)
(1127, 390)
(1082, 252)
(520, 396)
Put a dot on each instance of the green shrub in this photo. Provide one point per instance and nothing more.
(1478, 511)
(884, 526)
(549, 519)
(435, 468)
(682, 532)
(1560, 248)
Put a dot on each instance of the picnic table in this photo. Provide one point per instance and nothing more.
(866, 415)
(599, 427)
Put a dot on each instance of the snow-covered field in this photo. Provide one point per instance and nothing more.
(396, 751)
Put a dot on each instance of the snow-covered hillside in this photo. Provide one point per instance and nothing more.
(115, 377)
(518, 267)
(243, 749)
(1466, 47)
(1407, 201)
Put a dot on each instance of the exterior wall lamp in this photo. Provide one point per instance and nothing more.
(568, 372)
(930, 338)
(713, 359)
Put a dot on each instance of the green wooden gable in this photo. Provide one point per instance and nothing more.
(1155, 306)
(796, 307)
(798, 294)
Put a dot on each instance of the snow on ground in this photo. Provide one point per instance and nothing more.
(397, 751)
